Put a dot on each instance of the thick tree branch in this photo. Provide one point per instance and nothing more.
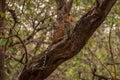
(60, 3)
(41, 66)
(69, 5)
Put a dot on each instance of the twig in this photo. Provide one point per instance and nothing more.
(26, 57)
(101, 77)
(101, 63)
(11, 57)
(111, 52)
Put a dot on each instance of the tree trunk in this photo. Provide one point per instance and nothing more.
(2, 17)
(41, 66)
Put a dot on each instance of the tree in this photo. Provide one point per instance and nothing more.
(2, 17)
(41, 66)
(27, 39)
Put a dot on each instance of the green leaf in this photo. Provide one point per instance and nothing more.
(2, 42)
(2, 14)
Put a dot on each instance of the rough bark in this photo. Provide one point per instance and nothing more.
(2, 16)
(41, 66)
